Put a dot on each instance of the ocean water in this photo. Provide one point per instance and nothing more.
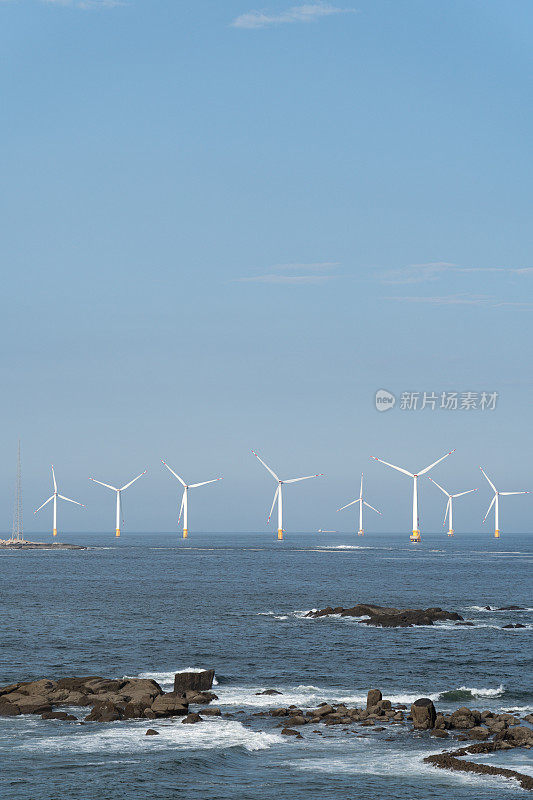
(150, 605)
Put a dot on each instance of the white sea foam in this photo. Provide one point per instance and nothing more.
(131, 737)
(392, 764)
(497, 610)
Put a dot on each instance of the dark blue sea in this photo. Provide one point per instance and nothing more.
(150, 605)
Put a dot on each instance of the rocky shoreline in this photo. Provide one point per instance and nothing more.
(6, 544)
(112, 700)
(385, 617)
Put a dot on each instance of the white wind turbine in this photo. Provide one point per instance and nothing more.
(495, 502)
(278, 495)
(449, 505)
(186, 487)
(415, 536)
(361, 502)
(119, 499)
(54, 498)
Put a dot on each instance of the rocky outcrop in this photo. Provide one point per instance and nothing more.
(373, 698)
(451, 760)
(389, 617)
(193, 681)
(423, 714)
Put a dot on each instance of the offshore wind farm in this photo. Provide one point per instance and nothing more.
(303, 227)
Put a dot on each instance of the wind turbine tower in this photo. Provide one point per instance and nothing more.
(278, 494)
(362, 503)
(415, 536)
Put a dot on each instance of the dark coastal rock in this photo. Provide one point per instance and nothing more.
(61, 715)
(440, 733)
(151, 732)
(290, 732)
(511, 608)
(200, 697)
(33, 705)
(8, 709)
(462, 622)
(269, 691)
(423, 714)
(518, 736)
(389, 617)
(170, 705)
(211, 712)
(516, 625)
(480, 732)
(464, 718)
(451, 760)
(373, 697)
(104, 711)
(193, 681)
(192, 719)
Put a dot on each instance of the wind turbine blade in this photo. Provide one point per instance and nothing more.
(515, 493)
(446, 511)
(133, 481)
(372, 507)
(54, 479)
(306, 478)
(460, 494)
(266, 465)
(204, 483)
(273, 503)
(489, 508)
(62, 496)
(107, 485)
(43, 505)
(440, 487)
(174, 473)
(349, 504)
(489, 480)
(436, 462)
(181, 507)
(400, 469)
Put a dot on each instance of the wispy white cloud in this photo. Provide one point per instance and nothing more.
(302, 273)
(295, 280)
(308, 12)
(86, 4)
(315, 266)
(432, 270)
(461, 300)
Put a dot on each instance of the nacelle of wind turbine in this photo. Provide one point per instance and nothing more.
(278, 494)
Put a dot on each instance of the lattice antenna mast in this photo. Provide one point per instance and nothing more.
(18, 533)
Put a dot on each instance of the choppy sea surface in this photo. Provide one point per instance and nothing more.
(150, 605)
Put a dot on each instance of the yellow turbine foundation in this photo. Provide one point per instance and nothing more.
(450, 532)
(497, 534)
(185, 533)
(361, 532)
(415, 536)
(117, 531)
(54, 532)
(280, 533)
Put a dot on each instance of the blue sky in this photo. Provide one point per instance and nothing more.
(226, 225)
